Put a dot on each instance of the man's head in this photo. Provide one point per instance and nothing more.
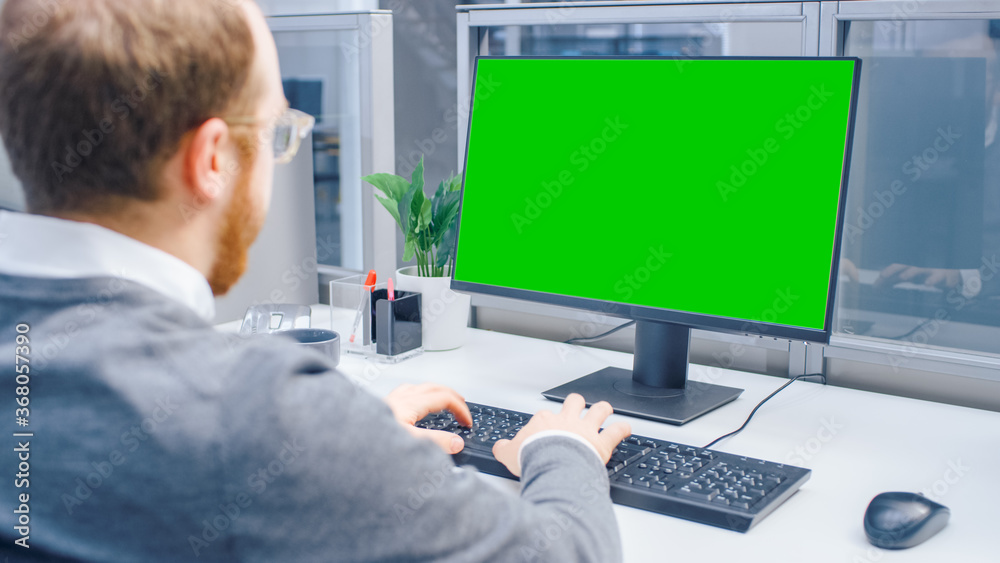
(150, 117)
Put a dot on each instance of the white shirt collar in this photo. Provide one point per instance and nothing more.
(46, 247)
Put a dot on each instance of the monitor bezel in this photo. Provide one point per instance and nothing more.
(642, 312)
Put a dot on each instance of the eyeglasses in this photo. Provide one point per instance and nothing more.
(287, 132)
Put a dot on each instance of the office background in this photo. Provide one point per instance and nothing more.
(925, 178)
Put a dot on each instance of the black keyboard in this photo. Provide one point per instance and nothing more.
(707, 486)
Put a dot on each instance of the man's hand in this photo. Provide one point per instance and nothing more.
(506, 451)
(410, 403)
(849, 269)
(932, 277)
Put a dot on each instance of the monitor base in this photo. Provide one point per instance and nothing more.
(673, 406)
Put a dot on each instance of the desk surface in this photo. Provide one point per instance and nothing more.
(858, 444)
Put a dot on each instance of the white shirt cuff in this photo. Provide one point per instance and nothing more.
(550, 433)
(972, 283)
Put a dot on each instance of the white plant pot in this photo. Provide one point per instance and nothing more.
(443, 312)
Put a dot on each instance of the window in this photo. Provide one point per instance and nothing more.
(320, 78)
(922, 235)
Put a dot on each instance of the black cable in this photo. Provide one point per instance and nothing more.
(599, 336)
(924, 323)
(754, 411)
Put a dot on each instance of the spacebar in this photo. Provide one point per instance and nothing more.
(481, 457)
(479, 446)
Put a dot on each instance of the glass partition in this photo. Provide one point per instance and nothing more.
(338, 68)
(922, 232)
(321, 85)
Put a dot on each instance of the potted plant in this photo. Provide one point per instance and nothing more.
(430, 228)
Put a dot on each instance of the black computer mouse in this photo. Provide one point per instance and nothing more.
(901, 520)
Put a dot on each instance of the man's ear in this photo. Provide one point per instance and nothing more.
(208, 162)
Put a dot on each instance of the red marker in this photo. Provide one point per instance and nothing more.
(392, 294)
(370, 286)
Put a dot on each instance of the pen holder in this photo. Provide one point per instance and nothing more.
(350, 293)
(398, 327)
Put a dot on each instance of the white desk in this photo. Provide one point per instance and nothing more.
(858, 444)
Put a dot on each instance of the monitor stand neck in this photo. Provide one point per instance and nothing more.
(657, 387)
(661, 354)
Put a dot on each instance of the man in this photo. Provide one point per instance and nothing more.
(142, 131)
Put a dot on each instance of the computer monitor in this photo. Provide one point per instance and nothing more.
(682, 193)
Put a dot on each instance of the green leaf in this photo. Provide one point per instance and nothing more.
(404, 211)
(444, 218)
(416, 206)
(392, 207)
(417, 179)
(438, 199)
(408, 249)
(455, 183)
(394, 187)
(446, 249)
(424, 222)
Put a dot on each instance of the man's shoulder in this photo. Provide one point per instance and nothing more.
(115, 332)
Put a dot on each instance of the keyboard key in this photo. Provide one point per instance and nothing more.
(701, 495)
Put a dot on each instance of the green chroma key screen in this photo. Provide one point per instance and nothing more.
(708, 186)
